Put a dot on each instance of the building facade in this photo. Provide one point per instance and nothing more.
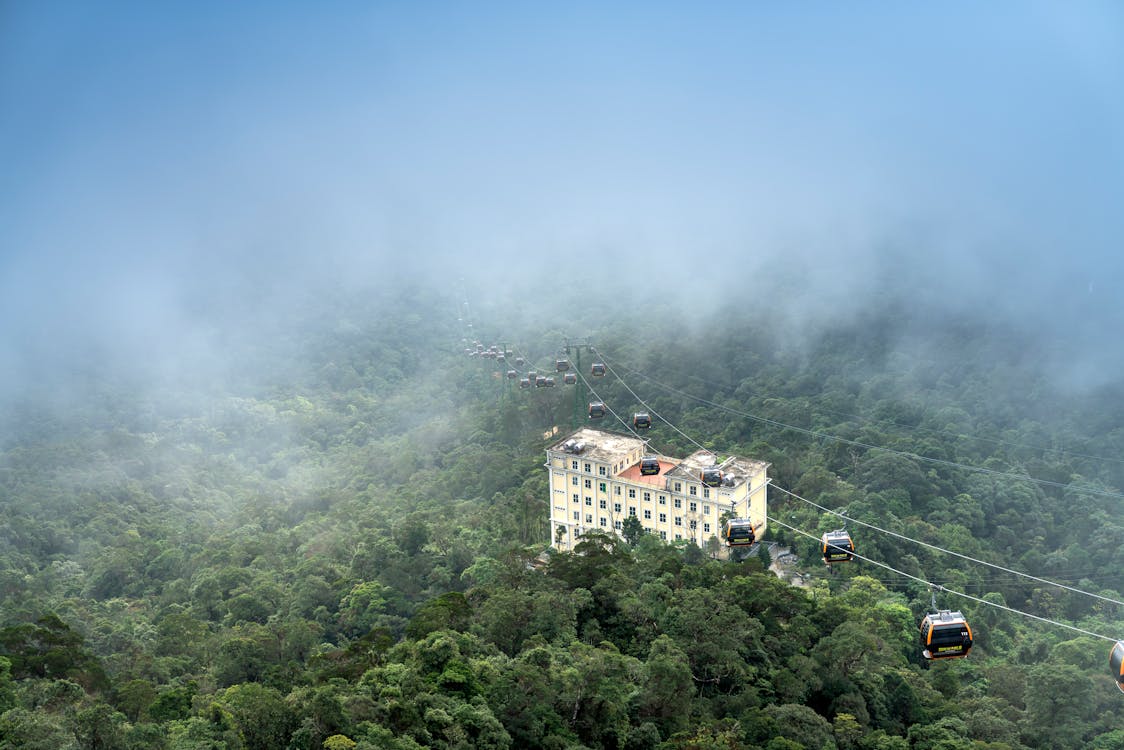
(596, 483)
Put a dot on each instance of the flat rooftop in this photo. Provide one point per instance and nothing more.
(600, 445)
(614, 447)
(741, 469)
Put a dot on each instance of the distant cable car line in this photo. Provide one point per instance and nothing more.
(861, 418)
(869, 446)
(945, 589)
(936, 548)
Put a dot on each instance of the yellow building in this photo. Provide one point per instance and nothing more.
(596, 483)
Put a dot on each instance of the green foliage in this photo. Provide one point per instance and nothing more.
(349, 552)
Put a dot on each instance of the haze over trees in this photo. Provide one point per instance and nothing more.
(342, 552)
(254, 495)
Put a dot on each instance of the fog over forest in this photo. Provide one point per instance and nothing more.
(178, 181)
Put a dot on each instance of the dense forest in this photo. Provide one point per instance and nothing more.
(340, 540)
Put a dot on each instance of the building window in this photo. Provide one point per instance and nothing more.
(588, 500)
(693, 525)
(706, 492)
(574, 465)
(604, 504)
(588, 484)
(617, 490)
(647, 514)
(706, 528)
(632, 510)
(576, 498)
(679, 520)
(678, 536)
(574, 480)
(693, 488)
(694, 506)
(706, 509)
(663, 518)
(602, 471)
(588, 468)
(603, 520)
(588, 518)
(647, 497)
(678, 485)
(632, 493)
(616, 507)
(617, 525)
(577, 516)
(601, 486)
(663, 535)
(678, 503)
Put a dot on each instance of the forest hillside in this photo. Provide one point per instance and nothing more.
(340, 540)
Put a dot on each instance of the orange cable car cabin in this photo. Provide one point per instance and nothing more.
(945, 635)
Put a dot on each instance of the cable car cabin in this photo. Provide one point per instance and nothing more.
(739, 532)
(501, 357)
(570, 378)
(519, 361)
(540, 381)
(549, 382)
(641, 421)
(837, 547)
(512, 374)
(597, 370)
(1116, 664)
(649, 466)
(945, 635)
(562, 365)
(596, 409)
(532, 375)
(711, 477)
(524, 382)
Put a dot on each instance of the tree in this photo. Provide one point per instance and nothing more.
(631, 530)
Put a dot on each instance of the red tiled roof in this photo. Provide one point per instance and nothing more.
(632, 474)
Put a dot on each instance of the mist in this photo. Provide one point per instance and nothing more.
(180, 185)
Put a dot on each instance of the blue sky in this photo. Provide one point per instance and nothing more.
(151, 151)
